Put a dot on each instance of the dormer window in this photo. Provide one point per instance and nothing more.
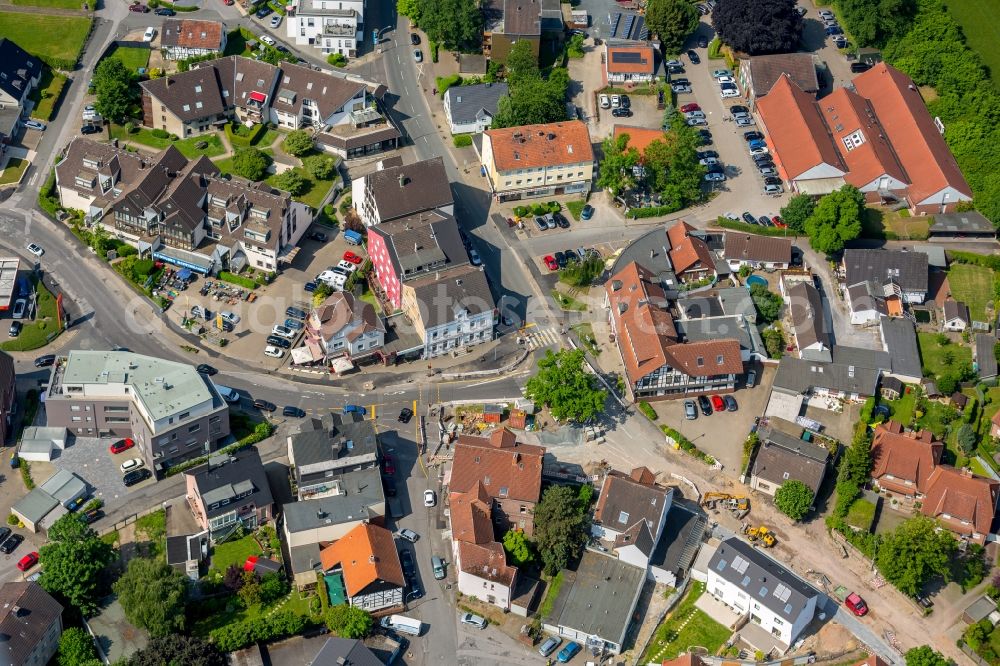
(623, 517)
(197, 89)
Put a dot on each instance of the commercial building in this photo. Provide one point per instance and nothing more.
(396, 191)
(188, 38)
(629, 63)
(229, 491)
(170, 410)
(31, 622)
(343, 326)
(538, 160)
(451, 310)
(758, 74)
(331, 27)
(470, 109)
(368, 565)
(326, 447)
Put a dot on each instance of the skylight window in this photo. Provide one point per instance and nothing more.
(853, 140)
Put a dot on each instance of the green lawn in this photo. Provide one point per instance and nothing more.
(902, 409)
(12, 173)
(685, 627)
(35, 333)
(989, 410)
(57, 4)
(46, 95)
(233, 552)
(48, 37)
(576, 208)
(316, 190)
(133, 57)
(861, 514)
(978, 21)
(940, 359)
(188, 147)
(226, 165)
(936, 420)
(973, 285)
(566, 302)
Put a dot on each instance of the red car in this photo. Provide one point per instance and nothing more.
(856, 604)
(121, 445)
(228, 2)
(389, 464)
(687, 108)
(778, 222)
(717, 404)
(550, 262)
(142, 9)
(353, 258)
(28, 561)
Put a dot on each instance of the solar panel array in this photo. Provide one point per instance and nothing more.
(628, 26)
(626, 57)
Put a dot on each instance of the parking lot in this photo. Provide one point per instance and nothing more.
(90, 459)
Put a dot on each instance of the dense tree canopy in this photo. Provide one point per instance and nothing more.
(454, 24)
(767, 302)
(672, 167)
(799, 209)
(72, 562)
(518, 547)
(297, 143)
(349, 621)
(757, 27)
(925, 655)
(291, 180)
(114, 89)
(152, 595)
(836, 220)
(794, 499)
(531, 99)
(875, 22)
(914, 553)
(250, 163)
(570, 393)
(175, 649)
(672, 21)
(617, 170)
(560, 527)
(76, 648)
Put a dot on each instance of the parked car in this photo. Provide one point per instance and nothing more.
(726, 93)
(275, 21)
(587, 212)
(353, 258)
(414, 39)
(759, 150)
(693, 57)
(745, 121)
(406, 559)
(855, 603)
(264, 405)
(28, 561)
(35, 125)
(206, 369)
(719, 73)
(549, 646)
(694, 113)
(136, 476)
(715, 177)
(231, 317)
(89, 129)
(730, 403)
(295, 313)
(840, 41)
(764, 221)
(626, 102)
(767, 170)
(355, 409)
(408, 534)
(568, 652)
(705, 136)
(149, 34)
(605, 101)
(475, 258)
(294, 324)
(283, 331)
(773, 189)
(621, 113)
(35, 249)
(142, 9)
(708, 161)
(20, 305)
(279, 342)
(856, 67)
(437, 566)
(405, 414)
(418, 55)
(474, 620)
(430, 499)
(273, 352)
(293, 411)
(704, 405)
(45, 361)
(707, 154)
(695, 122)
(132, 463)
(4, 532)
(550, 262)
(310, 286)
(268, 39)
(751, 378)
(717, 404)
(772, 180)
(164, 11)
(680, 88)
(11, 543)
(690, 411)
(834, 30)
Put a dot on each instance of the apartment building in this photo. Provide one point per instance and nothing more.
(451, 311)
(328, 446)
(31, 623)
(344, 326)
(229, 490)
(170, 410)
(20, 73)
(330, 26)
(395, 191)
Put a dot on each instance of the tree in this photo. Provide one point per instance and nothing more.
(337, 60)
(794, 499)
(176, 649)
(925, 655)
(297, 143)
(672, 21)
(915, 552)
(617, 167)
(152, 595)
(72, 561)
(799, 209)
(966, 437)
(672, 167)
(518, 547)
(560, 528)
(454, 24)
(561, 383)
(320, 167)
(774, 342)
(233, 578)
(410, 9)
(522, 63)
(768, 303)
(876, 22)
(947, 384)
(76, 648)
(758, 27)
(272, 587)
(836, 220)
(291, 181)
(113, 87)
(349, 621)
(532, 101)
(249, 593)
(250, 163)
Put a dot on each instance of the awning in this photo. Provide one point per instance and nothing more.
(184, 274)
(341, 365)
(184, 259)
(305, 354)
(258, 97)
(288, 253)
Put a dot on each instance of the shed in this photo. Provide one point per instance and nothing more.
(892, 388)
(492, 413)
(979, 610)
(38, 444)
(518, 419)
(261, 565)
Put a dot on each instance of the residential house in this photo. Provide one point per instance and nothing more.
(509, 471)
(759, 588)
(20, 73)
(891, 388)
(31, 622)
(344, 326)
(963, 226)
(689, 254)
(868, 302)
(962, 502)
(306, 97)
(229, 490)
(955, 316)
(411, 247)
(8, 391)
(479, 558)
(393, 192)
(470, 109)
(805, 308)
(327, 447)
(507, 22)
(904, 460)
(631, 513)
(784, 457)
(629, 63)
(657, 364)
(758, 74)
(186, 553)
(170, 410)
(802, 377)
(902, 272)
(899, 341)
(738, 327)
(983, 356)
(331, 27)
(367, 562)
(538, 160)
(338, 651)
(188, 38)
(767, 252)
(366, 133)
(595, 603)
(450, 310)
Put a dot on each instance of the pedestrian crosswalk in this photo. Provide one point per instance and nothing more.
(539, 338)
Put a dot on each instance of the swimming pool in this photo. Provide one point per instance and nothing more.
(756, 279)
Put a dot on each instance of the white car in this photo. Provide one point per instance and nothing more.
(759, 150)
(773, 189)
(276, 20)
(283, 332)
(347, 266)
(673, 63)
(231, 317)
(20, 305)
(268, 39)
(474, 620)
(726, 79)
(129, 465)
(149, 34)
(694, 114)
(605, 102)
(825, 13)
(430, 499)
(729, 92)
(715, 177)
(35, 125)
(616, 101)
(475, 258)
(35, 250)
(273, 352)
(708, 161)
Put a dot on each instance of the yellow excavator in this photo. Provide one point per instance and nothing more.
(761, 534)
(738, 504)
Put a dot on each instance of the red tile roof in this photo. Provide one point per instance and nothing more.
(504, 466)
(486, 561)
(921, 148)
(686, 251)
(618, 60)
(906, 456)
(547, 145)
(958, 496)
(192, 34)
(470, 516)
(639, 137)
(365, 554)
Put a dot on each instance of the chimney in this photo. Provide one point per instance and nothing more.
(168, 81)
(402, 180)
(516, 459)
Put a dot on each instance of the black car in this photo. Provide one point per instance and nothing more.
(693, 57)
(562, 258)
(136, 476)
(730, 403)
(92, 516)
(310, 286)
(676, 69)
(764, 221)
(295, 313)
(4, 533)
(625, 101)
(206, 369)
(291, 410)
(405, 414)
(406, 559)
(749, 218)
(752, 136)
(708, 154)
(772, 180)
(414, 39)
(706, 136)
(264, 405)
(317, 236)
(704, 405)
(858, 67)
(621, 113)
(561, 220)
(680, 82)
(45, 361)
(762, 159)
(263, 11)
(282, 343)
(415, 591)
(164, 11)
(11, 544)
(90, 129)
(703, 42)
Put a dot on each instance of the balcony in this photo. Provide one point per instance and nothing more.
(334, 30)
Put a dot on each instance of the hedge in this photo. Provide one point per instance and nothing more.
(726, 223)
(169, 5)
(985, 260)
(238, 635)
(651, 211)
(231, 278)
(462, 140)
(647, 410)
(685, 444)
(245, 140)
(48, 200)
(262, 431)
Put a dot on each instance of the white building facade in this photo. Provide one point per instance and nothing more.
(330, 26)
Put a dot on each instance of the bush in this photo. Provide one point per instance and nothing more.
(462, 140)
(261, 431)
(651, 211)
(726, 223)
(298, 143)
(291, 181)
(232, 278)
(127, 251)
(320, 167)
(647, 410)
(242, 137)
(48, 200)
(337, 59)
(160, 133)
(238, 635)
(686, 445)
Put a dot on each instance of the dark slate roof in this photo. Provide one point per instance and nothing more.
(344, 652)
(767, 69)
(460, 287)
(969, 222)
(794, 444)
(329, 93)
(801, 375)
(697, 307)
(466, 102)
(196, 93)
(17, 67)
(425, 187)
(776, 464)
(808, 321)
(420, 243)
(650, 251)
(736, 327)
(764, 580)
(892, 384)
(229, 477)
(899, 338)
(956, 310)
(683, 527)
(326, 439)
(624, 497)
(876, 359)
(27, 626)
(907, 269)
(986, 362)
(866, 296)
(363, 490)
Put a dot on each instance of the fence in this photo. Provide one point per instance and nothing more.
(671, 603)
(128, 520)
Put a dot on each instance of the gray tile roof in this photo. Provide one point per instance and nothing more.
(956, 310)
(696, 307)
(27, 612)
(737, 301)
(907, 269)
(753, 248)
(425, 186)
(330, 443)
(18, 68)
(794, 444)
(462, 287)
(468, 103)
(801, 375)
(35, 505)
(876, 359)
(866, 296)
(599, 597)
(683, 526)
(422, 242)
(329, 93)
(969, 222)
(808, 321)
(899, 339)
(196, 93)
(363, 490)
(305, 557)
(650, 251)
(776, 464)
(624, 497)
(344, 652)
(714, 328)
(238, 478)
(764, 580)
(986, 362)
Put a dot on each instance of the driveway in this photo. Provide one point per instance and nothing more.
(89, 459)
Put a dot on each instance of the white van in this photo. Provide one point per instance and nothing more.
(403, 624)
(228, 394)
